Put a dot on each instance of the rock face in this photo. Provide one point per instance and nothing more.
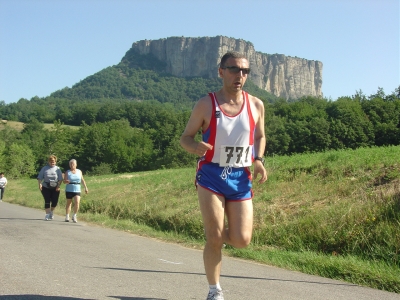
(284, 76)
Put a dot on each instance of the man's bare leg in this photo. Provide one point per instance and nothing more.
(239, 215)
(213, 211)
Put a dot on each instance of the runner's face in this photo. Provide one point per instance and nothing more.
(52, 162)
(72, 165)
(234, 81)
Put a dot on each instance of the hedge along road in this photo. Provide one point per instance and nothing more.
(58, 260)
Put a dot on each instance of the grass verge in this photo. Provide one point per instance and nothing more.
(333, 214)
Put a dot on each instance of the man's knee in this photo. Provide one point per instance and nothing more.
(215, 240)
(240, 241)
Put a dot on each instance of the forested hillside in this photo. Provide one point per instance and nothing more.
(131, 115)
(118, 136)
(121, 84)
(136, 78)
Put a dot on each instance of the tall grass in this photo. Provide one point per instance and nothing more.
(334, 214)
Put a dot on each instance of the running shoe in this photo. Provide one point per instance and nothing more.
(67, 218)
(74, 219)
(51, 217)
(215, 295)
(47, 217)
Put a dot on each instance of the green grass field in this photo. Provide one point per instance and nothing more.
(19, 126)
(334, 214)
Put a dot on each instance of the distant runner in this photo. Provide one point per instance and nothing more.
(50, 179)
(3, 183)
(73, 179)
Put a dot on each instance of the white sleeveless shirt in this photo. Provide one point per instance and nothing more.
(232, 137)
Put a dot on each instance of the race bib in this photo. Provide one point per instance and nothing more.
(235, 156)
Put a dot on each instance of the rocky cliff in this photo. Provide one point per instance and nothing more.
(284, 76)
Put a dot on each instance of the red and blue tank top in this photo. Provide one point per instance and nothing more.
(232, 137)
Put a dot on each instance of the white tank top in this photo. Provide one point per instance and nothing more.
(232, 137)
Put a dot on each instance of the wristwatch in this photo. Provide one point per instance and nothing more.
(260, 159)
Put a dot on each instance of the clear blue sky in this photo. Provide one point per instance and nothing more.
(46, 45)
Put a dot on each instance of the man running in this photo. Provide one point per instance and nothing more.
(233, 137)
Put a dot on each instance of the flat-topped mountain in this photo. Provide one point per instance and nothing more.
(284, 76)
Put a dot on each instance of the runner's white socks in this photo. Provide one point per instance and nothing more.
(215, 287)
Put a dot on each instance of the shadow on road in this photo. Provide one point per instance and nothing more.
(24, 219)
(135, 298)
(39, 297)
(229, 276)
(60, 221)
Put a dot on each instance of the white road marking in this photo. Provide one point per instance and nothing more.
(170, 262)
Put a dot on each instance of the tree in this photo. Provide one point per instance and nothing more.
(33, 135)
(278, 139)
(58, 142)
(20, 161)
(351, 127)
(123, 148)
(109, 111)
(380, 93)
(384, 114)
(2, 154)
(320, 139)
(9, 135)
(300, 136)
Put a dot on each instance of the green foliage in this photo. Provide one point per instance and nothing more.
(116, 144)
(315, 125)
(2, 155)
(19, 161)
(156, 107)
(58, 141)
(353, 128)
(102, 169)
(34, 136)
(9, 135)
(124, 84)
(384, 115)
(278, 139)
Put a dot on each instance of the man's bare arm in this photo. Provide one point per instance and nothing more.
(259, 141)
(197, 120)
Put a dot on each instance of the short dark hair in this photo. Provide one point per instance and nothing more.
(230, 54)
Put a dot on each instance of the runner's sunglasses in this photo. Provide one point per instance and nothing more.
(235, 70)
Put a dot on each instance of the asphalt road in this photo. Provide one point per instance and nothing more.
(58, 260)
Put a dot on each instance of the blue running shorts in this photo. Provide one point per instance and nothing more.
(232, 183)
